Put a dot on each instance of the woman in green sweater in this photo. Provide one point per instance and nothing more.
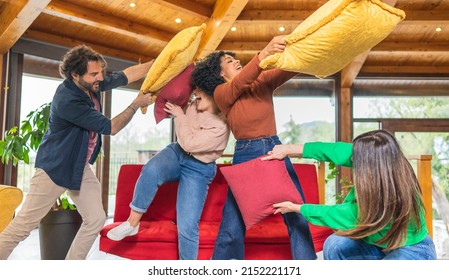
(382, 217)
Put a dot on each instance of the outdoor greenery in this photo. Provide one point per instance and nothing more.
(435, 144)
(19, 142)
(416, 143)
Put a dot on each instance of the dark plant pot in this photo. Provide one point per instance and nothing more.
(56, 233)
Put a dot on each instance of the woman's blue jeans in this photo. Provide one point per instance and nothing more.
(343, 248)
(231, 235)
(194, 176)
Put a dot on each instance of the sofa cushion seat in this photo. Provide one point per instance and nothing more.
(273, 230)
(319, 235)
(166, 231)
(149, 231)
(157, 238)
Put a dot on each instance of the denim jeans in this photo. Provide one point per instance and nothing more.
(194, 176)
(231, 235)
(343, 248)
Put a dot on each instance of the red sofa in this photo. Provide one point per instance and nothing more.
(157, 238)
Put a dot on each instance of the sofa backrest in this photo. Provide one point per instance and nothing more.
(163, 206)
(308, 178)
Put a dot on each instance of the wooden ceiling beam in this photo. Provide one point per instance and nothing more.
(297, 16)
(106, 22)
(428, 15)
(223, 17)
(412, 46)
(253, 47)
(415, 55)
(280, 16)
(16, 18)
(67, 42)
(248, 47)
(390, 69)
(350, 71)
(186, 7)
(40, 66)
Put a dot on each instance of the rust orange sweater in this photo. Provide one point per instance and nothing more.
(247, 100)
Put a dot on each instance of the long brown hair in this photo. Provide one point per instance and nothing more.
(387, 190)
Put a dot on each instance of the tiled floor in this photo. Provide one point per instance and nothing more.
(29, 248)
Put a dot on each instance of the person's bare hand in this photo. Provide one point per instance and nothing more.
(173, 109)
(143, 99)
(286, 207)
(278, 152)
(276, 45)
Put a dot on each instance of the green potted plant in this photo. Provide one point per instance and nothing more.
(62, 220)
(345, 182)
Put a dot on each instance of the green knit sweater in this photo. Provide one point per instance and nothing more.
(344, 216)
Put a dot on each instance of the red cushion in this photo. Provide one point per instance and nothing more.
(257, 185)
(177, 91)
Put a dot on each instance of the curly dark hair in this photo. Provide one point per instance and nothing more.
(206, 74)
(76, 59)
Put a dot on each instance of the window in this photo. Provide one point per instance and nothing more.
(40, 89)
(401, 107)
(137, 142)
(421, 127)
(306, 119)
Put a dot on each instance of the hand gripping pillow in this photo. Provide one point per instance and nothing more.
(333, 35)
(177, 91)
(257, 185)
(173, 59)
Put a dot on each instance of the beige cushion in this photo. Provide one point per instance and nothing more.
(173, 59)
(333, 35)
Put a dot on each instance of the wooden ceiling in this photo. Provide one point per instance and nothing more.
(115, 29)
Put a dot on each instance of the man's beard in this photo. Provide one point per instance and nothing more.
(89, 87)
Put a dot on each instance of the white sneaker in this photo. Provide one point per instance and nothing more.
(121, 231)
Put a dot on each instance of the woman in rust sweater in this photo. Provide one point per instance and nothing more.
(245, 96)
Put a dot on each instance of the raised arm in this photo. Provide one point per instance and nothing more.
(138, 71)
(276, 45)
(284, 150)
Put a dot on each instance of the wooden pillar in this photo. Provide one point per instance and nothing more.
(343, 125)
(424, 174)
(2, 108)
(344, 115)
(12, 72)
(321, 182)
(103, 162)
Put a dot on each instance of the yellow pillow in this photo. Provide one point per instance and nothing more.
(333, 35)
(174, 58)
(10, 199)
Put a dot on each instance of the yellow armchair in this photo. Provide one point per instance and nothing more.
(10, 199)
